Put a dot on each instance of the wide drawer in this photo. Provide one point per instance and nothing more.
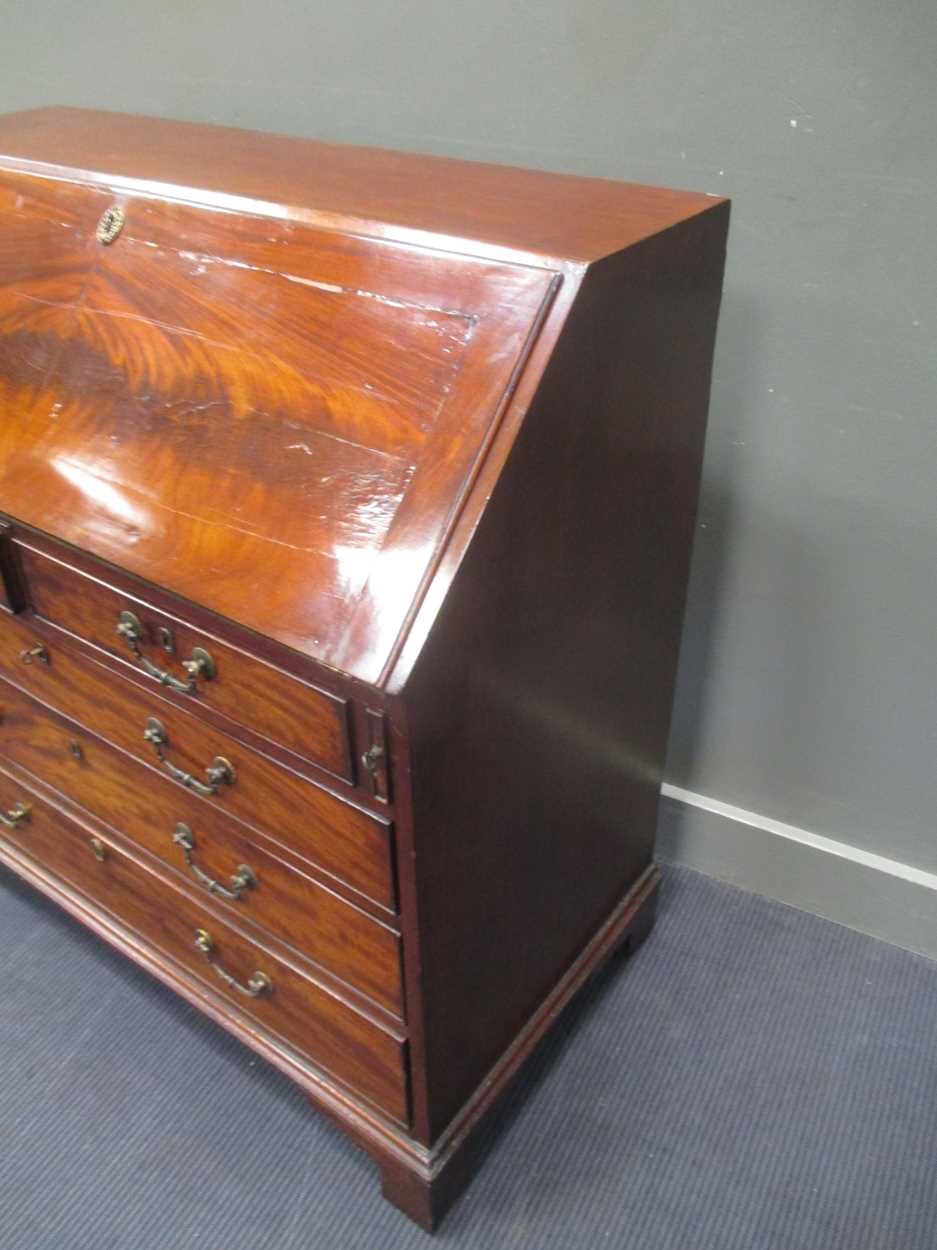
(206, 846)
(350, 844)
(278, 706)
(283, 1002)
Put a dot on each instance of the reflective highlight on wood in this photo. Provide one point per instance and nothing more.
(346, 507)
(225, 405)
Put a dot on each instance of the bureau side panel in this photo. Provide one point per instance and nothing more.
(540, 705)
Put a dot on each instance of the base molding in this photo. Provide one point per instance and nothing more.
(423, 1182)
(885, 898)
(425, 1195)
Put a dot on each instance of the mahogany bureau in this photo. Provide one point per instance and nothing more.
(347, 502)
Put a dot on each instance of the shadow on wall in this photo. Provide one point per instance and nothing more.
(732, 417)
(827, 658)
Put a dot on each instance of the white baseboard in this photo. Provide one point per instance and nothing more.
(883, 897)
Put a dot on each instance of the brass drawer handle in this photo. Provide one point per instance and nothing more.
(16, 816)
(259, 983)
(243, 879)
(219, 772)
(130, 628)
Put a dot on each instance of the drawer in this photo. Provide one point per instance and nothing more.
(291, 1006)
(346, 842)
(270, 702)
(149, 809)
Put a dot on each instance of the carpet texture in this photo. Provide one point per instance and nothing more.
(753, 1079)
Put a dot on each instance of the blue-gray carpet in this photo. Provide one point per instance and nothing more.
(753, 1079)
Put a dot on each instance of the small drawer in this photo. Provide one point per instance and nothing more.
(346, 842)
(177, 656)
(252, 982)
(246, 874)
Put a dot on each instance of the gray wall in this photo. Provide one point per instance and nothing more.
(807, 688)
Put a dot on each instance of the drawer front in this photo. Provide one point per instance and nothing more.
(270, 702)
(328, 1032)
(149, 809)
(344, 841)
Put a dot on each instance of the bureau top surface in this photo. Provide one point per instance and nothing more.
(494, 207)
(271, 391)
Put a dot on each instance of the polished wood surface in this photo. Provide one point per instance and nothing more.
(412, 447)
(274, 704)
(139, 803)
(333, 1036)
(384, 193)
(553, 659)
(8, 581)
(341, 839)
(294, 469)
(258, 652)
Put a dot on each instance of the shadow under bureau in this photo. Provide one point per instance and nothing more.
(347, 504)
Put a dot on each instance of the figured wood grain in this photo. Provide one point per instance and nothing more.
(428, 434)
(342, 839)
(272, 420)
(307, 721)
(134, 800)
(45, 259)
(330, 1033)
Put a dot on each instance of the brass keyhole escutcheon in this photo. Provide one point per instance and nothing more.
(110, 225)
